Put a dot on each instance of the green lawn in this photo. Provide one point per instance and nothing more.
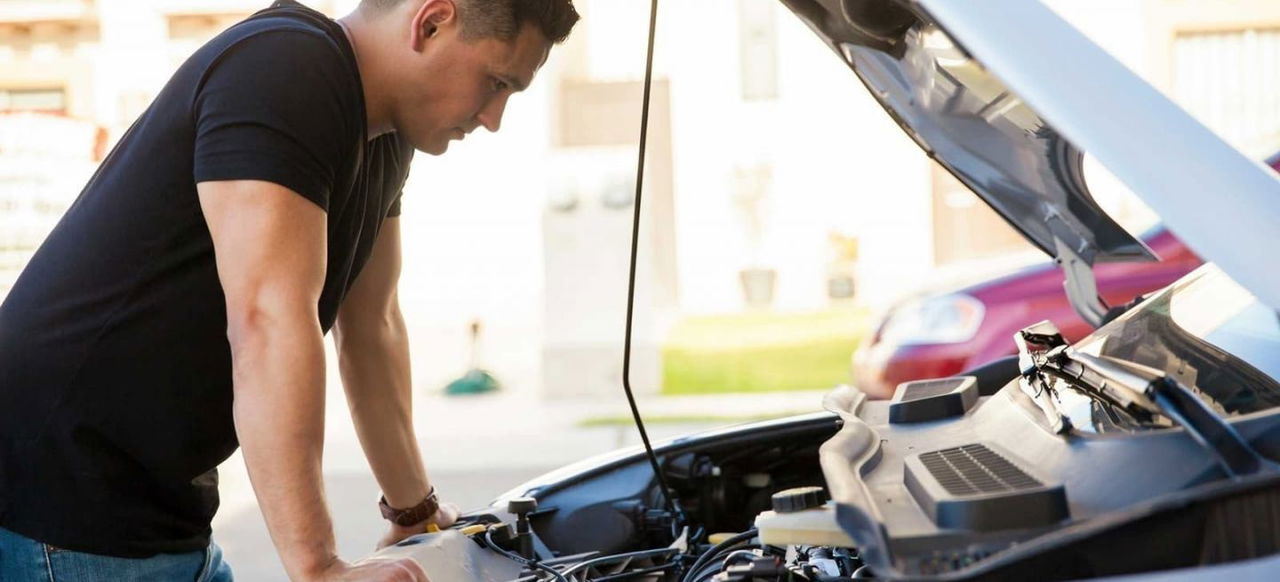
(759, 352)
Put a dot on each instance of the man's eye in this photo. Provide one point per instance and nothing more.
(499, 85)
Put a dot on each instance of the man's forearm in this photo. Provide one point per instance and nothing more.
(279, 416)
(374, 360)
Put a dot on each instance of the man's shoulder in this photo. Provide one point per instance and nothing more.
(288, 15)
(302, 34)
(299, 51)
(285, 26)
(277, 98)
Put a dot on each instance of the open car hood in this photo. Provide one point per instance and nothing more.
(1007, 96)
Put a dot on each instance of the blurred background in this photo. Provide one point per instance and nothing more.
(793, 238)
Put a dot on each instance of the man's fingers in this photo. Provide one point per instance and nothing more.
(447, 516)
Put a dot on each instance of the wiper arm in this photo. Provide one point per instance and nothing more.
(1174, 400)
(1043, 350)
(1145, 393)
(1034, 343)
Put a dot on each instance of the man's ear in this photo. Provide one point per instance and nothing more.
(429, 19)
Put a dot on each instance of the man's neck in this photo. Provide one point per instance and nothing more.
(362, 34)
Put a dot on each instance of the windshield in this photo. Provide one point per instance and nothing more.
(1207, 332)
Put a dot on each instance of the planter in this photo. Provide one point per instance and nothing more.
(757, 286)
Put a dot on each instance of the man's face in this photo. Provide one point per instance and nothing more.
(455, 85)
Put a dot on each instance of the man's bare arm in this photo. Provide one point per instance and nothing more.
(270, 246)
(373, 349)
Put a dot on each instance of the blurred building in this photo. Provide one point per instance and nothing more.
(774, 181)
(74, 74)
(44, 160)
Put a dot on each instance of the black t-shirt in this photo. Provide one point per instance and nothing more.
(115, 371)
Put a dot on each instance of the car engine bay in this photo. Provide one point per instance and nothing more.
(981, 489)
(1126, 452)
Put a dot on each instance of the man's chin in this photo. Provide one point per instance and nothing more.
(433, 148)
(436, 149)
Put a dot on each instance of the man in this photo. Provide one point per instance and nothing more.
(178, 309)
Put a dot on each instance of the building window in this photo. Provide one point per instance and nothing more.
(38, 100)
(758, 49)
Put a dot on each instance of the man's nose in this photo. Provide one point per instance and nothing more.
(491, 115)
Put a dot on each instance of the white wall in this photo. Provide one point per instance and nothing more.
(838, 163)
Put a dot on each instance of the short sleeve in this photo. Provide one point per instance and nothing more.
(278, 106)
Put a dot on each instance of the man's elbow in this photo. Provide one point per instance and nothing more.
(252, 326)
(380, 327)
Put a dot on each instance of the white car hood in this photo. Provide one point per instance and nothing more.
(1006, 95)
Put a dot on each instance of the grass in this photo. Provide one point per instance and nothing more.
(761, 352)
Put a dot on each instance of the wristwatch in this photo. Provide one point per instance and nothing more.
(413, 515)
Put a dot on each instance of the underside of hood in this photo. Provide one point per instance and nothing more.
(971, 124)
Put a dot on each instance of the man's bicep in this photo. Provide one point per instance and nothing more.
(269, 245)
(373, 295)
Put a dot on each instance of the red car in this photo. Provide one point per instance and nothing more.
(939, 334)
(936, 335)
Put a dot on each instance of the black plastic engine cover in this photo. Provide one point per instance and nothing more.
(974, 487)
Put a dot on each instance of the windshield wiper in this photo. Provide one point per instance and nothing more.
(1147, 395)
(1043, 353)
(1034, 345)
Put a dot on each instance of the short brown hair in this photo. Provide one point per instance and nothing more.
(503, 19)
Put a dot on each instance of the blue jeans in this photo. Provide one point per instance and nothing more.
(23, 559)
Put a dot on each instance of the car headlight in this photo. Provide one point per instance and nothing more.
(943, 319)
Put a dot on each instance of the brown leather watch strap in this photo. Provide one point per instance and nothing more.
(413, 515)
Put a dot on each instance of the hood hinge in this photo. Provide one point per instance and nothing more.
(1080, 283)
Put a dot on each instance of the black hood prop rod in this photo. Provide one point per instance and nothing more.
(672, 503)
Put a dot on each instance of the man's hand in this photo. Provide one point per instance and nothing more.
(397, 569)
(443, 518)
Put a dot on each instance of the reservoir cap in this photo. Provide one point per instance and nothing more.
(799, 499)
(522, 505)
